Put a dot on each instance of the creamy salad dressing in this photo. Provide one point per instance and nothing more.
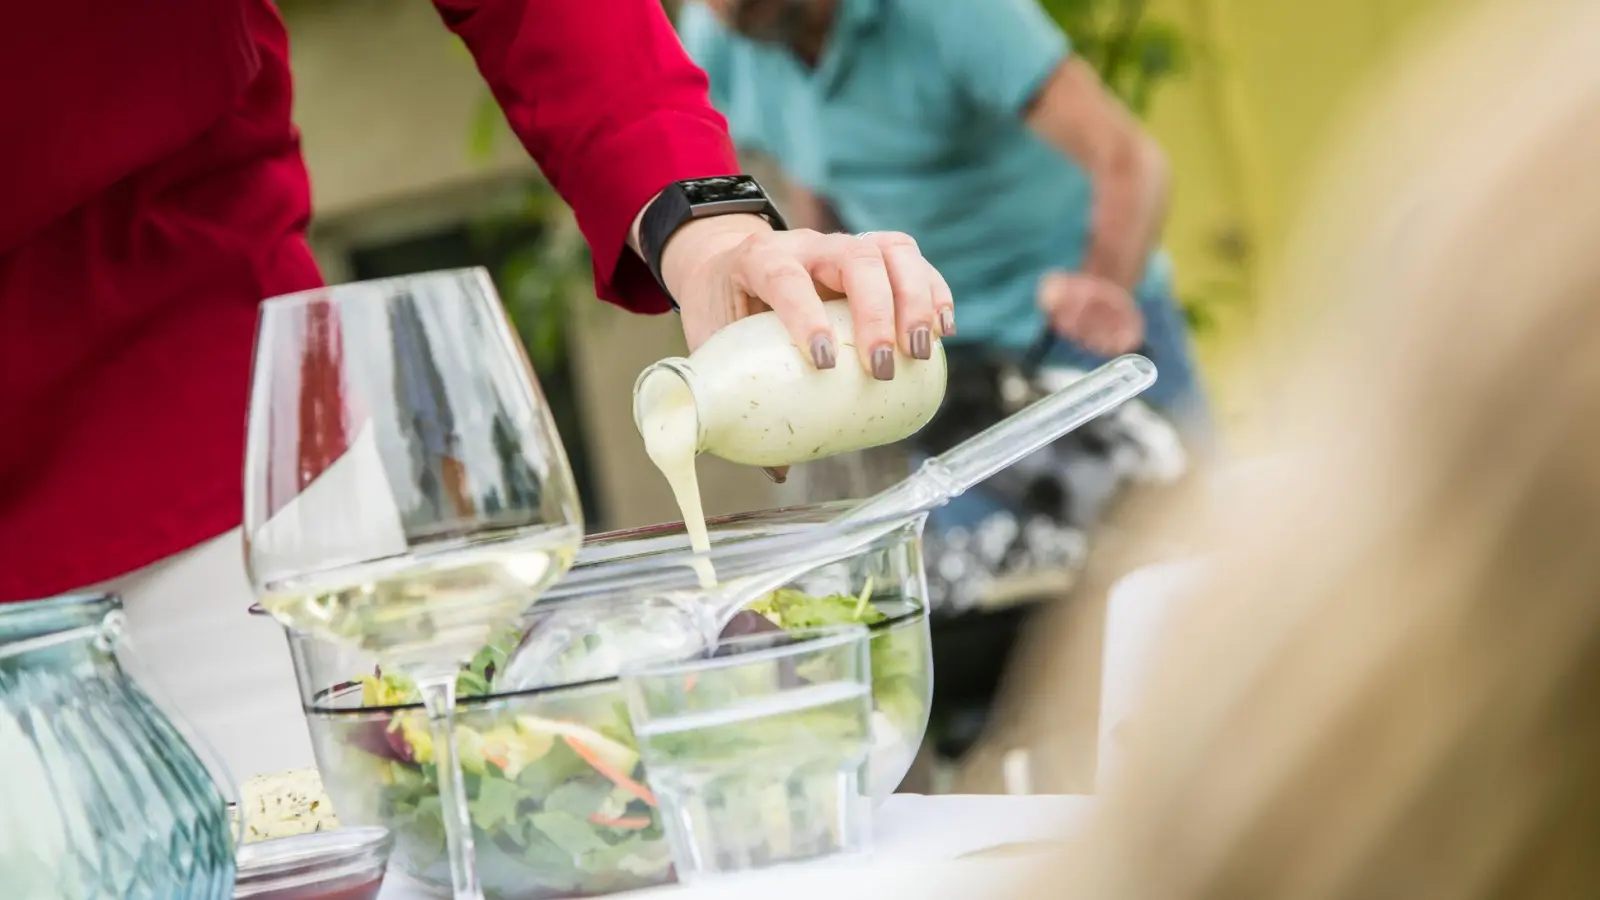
(671, 430)
(750, 396)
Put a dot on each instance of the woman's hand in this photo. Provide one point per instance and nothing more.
(723, 268)
(1094, 313)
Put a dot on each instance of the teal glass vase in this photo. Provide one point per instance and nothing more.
(100, 794)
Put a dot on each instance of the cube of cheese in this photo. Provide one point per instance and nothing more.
(284, 805)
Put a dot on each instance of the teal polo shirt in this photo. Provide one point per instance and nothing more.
(913, 121)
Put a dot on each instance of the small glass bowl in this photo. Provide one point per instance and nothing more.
(346, 864)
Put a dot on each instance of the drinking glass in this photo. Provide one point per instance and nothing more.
(757, 750)
(406, 491)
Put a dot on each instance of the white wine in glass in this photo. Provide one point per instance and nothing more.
(405, 487)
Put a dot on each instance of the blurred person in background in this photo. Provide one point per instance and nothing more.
(1387, 683)
(971, 126)
(154, 193)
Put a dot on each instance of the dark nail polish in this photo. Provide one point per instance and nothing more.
(883, 362)
(947, 321)
(822, 354)
(921, 342)
(777, 475)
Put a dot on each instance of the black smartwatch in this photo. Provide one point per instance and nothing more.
(699, 198)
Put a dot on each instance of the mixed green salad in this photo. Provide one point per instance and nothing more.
(561, 808)
(898, 667)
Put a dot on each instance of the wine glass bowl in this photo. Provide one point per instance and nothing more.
(405, 486)
(405, 489)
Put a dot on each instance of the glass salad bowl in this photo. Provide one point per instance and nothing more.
(560, 803)
(796, 568)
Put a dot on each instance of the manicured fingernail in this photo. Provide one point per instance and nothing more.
(947, 321)
(822, 352)
(777, 475)
(883, 362)
(921, 342)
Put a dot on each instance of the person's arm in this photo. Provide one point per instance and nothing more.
(604, 98)
(1011, 59)
(738, 96)
(1075, 112)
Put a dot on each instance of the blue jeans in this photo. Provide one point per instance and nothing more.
(1176, 394)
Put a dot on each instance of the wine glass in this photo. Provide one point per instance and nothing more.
(405, 487)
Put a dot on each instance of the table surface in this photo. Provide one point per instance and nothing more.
(917, 841)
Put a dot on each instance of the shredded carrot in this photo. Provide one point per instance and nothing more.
(691, 680)
(625, 823)
(617, 778)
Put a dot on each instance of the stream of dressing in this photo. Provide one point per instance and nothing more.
(671, 430)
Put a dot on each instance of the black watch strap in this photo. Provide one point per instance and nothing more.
(699, 198)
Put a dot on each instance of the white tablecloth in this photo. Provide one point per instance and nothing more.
(916, 841)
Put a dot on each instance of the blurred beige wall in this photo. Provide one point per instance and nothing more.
(385, 97)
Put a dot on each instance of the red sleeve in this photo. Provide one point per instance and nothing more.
(603, 96)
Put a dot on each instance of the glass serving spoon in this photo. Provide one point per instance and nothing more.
(693, 618)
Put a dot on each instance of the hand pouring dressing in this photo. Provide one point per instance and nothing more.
(749, 396)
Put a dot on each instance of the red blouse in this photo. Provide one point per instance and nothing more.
(152, 192)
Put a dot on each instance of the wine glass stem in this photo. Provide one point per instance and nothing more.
(438, 691)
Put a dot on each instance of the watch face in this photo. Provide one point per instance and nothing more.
(724, 189)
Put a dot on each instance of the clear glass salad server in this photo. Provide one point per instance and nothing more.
(950, 474)
(693, 615)
(406, 491)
